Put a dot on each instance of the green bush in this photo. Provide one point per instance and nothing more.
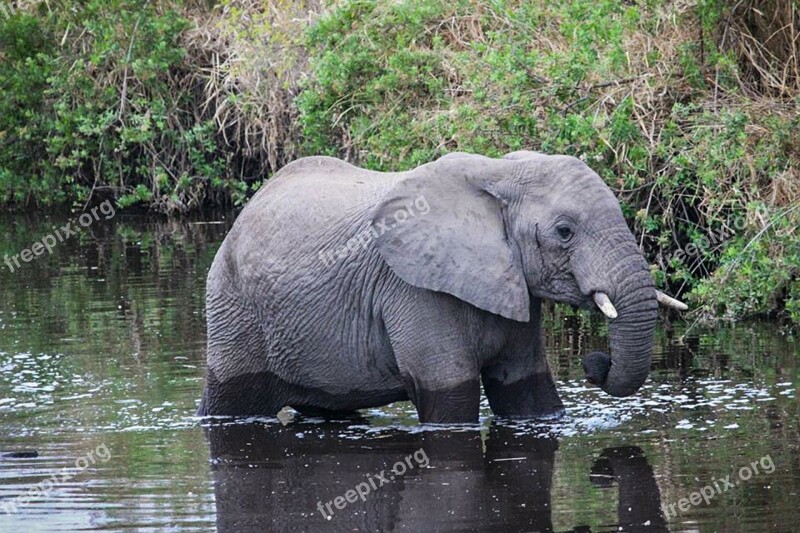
(394, 85)
(686, 110)
(96, 108)
(28, 61)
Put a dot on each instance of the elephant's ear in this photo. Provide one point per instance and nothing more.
(441, 227)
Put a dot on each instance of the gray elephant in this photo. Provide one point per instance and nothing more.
(340, 288)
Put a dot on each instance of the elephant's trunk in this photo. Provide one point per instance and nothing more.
(633, 296)
(632, 337)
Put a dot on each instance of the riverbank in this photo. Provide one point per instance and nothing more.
(687, 110)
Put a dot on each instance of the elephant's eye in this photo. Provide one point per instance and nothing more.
(564, 232)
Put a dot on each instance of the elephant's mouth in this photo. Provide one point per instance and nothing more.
(570, 296)
(596, 367)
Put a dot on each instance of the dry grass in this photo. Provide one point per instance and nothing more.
(249, 64)
(765, 36)
(253, 63)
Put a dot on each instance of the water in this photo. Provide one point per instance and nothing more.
(101, 368)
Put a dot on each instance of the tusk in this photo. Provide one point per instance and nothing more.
(605, 305)
(669, 301)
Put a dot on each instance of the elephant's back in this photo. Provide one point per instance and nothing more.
(309, 207)
(313, 192)
(320, 179)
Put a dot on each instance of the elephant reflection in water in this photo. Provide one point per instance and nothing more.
(273, 478)
(639, 507)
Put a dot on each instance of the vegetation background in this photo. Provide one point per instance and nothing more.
(687, 108)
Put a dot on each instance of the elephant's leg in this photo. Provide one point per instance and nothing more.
(522, 387)
(437, 364)
(443, 388)
(520, 384)
(238, 379)
(445, 404)
(242, 395)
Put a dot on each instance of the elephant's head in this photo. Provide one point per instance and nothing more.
(500, 230)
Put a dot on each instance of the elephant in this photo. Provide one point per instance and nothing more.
(339, 288)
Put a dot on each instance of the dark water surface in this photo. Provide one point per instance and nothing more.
(101, 369)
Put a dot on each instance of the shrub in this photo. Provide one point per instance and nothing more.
(104, 104)
(647, 94)
(686, 109)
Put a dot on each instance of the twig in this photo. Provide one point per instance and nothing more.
(613, 83)
(124, 95)
(635, 189)
(573, 104)
(590, 88)
(646, 212)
